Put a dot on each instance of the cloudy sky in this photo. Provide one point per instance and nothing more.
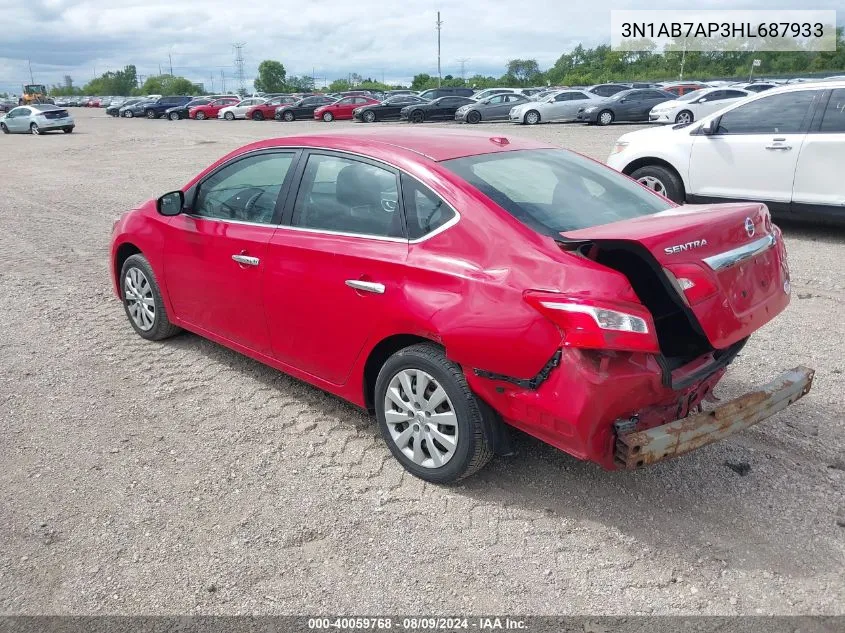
(394, 40)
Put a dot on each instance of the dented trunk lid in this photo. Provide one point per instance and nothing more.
(735, 247)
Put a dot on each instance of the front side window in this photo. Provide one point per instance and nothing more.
(554, 191)
(348, 196)
(834, 114)
(784, 113)
(425, 211)
(246, 190)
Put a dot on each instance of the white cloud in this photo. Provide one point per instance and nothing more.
(332, 37)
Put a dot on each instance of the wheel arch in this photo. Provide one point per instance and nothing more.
(379, 354)
(647, 161)
(122, 253)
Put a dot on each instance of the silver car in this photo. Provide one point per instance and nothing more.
(37, 118)
(559, 106)
(495, 107)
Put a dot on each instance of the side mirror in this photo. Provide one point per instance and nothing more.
(171, 203)
(710, 128)
(702, 100)
(622, 100)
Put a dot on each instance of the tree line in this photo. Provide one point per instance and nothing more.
(582, 66)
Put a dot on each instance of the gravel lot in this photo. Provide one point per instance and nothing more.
(184, 478)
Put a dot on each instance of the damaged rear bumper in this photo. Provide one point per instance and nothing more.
(642, 448)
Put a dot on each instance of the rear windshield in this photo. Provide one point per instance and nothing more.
(554, 191)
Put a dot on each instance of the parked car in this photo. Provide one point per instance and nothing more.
(436, 93)
(511, 273)
(557, 106)
(628, 105)
(157, 108)
(489, 92)
(61, 102)
(211, 110)
(238, 110)
(495, 107)
(138, 108)
(303, 109)
(755, 86)
(342, 108)
(607, 90)
(267, 110)
(37, 118)
(681, 89)
(784, 147)
(114, 108)
(387, 110)
(396, 93)
(94, 102)
(175, 113)
(441, 109)
(694, 105)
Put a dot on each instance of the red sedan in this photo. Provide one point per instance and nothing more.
(457, 284)
(210, 110)
(342, 108)
(267, 110)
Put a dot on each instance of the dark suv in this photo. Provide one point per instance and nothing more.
(436, 93)
(157, 108)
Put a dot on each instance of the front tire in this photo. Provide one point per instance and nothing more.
(288, 116)
(200, 116)
(328, 117)
(4, 128)
(174, 116)
(662, 180)
(128, 114)
(142, 300)
(532, 117)
(369, 116)
(605, 117)
(67, 130)
(229, 116)
(417, 116)
(473, 117)
(258, 116)
(150, 114)
(429, 417)
(684, 116)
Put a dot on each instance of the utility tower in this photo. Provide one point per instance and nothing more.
(239, 66)
(439, 24)
(463, 62)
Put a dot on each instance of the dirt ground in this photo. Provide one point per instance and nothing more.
(181, 477)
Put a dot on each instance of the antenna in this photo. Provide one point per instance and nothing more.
(463, 62)
(170, 57)
(439, 24)
(239, 66)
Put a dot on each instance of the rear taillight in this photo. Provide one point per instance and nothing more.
(693, 282)
(591, 324)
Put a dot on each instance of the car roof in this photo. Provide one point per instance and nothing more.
(384, 143)
(804, 85)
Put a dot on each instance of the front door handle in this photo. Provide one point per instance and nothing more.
(246, 260)
(783, 147)
(366, 286)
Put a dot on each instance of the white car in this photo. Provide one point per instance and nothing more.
(784, 147)
(238, 111)
(559, 106)
(694, 105)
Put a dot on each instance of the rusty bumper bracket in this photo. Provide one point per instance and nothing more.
(641, 448)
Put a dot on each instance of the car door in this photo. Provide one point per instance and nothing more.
(650, 99)
(495, 108)
(754, 152)
(628, 107)
(18, 119)
(335, 266)
(818, 175)
(574, 102)
(215, 252)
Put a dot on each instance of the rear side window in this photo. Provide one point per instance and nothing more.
(834, 114)
(425, 211)
(554, 191)
(776, 114)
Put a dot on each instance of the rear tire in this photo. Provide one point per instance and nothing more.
(142, 300)
(33, 129)
(67, 130)
(662, 180)
(410, 421)
(532, 117)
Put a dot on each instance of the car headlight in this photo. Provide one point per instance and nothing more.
(590, 109)
(619, 147)
(356, 111)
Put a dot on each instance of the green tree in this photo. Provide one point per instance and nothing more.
(271, 76)
(422, 81)
(299, 84)
(523, 72)
(168, 85)
(340, 85)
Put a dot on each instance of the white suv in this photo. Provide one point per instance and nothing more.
(784, 147)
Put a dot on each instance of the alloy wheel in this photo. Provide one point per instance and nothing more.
(138, 294)
(654, 184)
(174, 116)
(369, 116)
(683, 117)
(288, 116)
(605, 118)
(420, 418)
(532, 118)
(34, 129)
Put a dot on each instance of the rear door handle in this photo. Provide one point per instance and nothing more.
(783, 147)
(246, 260)
(366, 286)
